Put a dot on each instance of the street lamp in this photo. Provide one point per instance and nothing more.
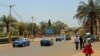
(10, 9)
(9, 33)
(32, 26)
(10, 14)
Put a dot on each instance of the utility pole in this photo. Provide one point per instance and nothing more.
(9, 33)
(10, 14)
(10, 9)
(32, 27)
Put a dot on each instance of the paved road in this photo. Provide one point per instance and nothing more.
(64, 48)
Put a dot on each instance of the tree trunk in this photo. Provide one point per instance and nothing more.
(9, 33)
(98, 27)
(7, 26)
(91, 22)
(91, 17)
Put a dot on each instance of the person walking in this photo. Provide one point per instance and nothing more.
(76, 41)
(81, 42)
(87, 48)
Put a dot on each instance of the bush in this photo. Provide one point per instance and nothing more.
(6, 40)
(2, 34)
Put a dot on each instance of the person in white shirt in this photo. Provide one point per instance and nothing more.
(76, 41)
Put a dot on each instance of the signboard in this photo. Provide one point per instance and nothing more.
(49, 31)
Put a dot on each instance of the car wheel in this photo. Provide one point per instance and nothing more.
(41, 44)
(28, 44)
(14, 46)
(23, 45)
(52, 43)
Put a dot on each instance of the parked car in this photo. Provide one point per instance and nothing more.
(68, 37)
(46, 41)
(21, 42)
(58, 38)
(93, 38)
(62, 37)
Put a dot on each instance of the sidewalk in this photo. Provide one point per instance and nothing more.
(4, 45)
(96, 53)
(36, 39)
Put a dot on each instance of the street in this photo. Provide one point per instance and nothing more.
(63, 48)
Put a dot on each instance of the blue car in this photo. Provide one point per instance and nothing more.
(21, 42)
(46, 41)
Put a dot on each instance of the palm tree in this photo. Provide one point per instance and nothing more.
(7, 21)
(21, 28)
(88, 14)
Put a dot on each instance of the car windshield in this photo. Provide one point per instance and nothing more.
(46, 38)
(58, 37)
(20, 39)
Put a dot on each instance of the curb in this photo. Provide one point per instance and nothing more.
(4, 45)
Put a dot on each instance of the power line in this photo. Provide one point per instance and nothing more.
(17, 14)
(3, 5)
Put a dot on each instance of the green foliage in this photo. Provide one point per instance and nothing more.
(43, 25)
(58, 26)
(82, 31)
(49, 23)
(21, 28)
(7, 21)
(14, 32)
(2, 35)
(35, 29)
(88, 14)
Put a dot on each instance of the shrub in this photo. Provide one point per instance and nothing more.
(2, 34)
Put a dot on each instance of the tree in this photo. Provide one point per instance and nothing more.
(35, 28)
(29, 28)
(7, 22)
(43, 26)
(88, 14)
(49, 22)
(21, 28)
(58, 26)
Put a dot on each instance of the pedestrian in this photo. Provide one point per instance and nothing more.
(81, 42)
(87, 48)
(76, 41)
